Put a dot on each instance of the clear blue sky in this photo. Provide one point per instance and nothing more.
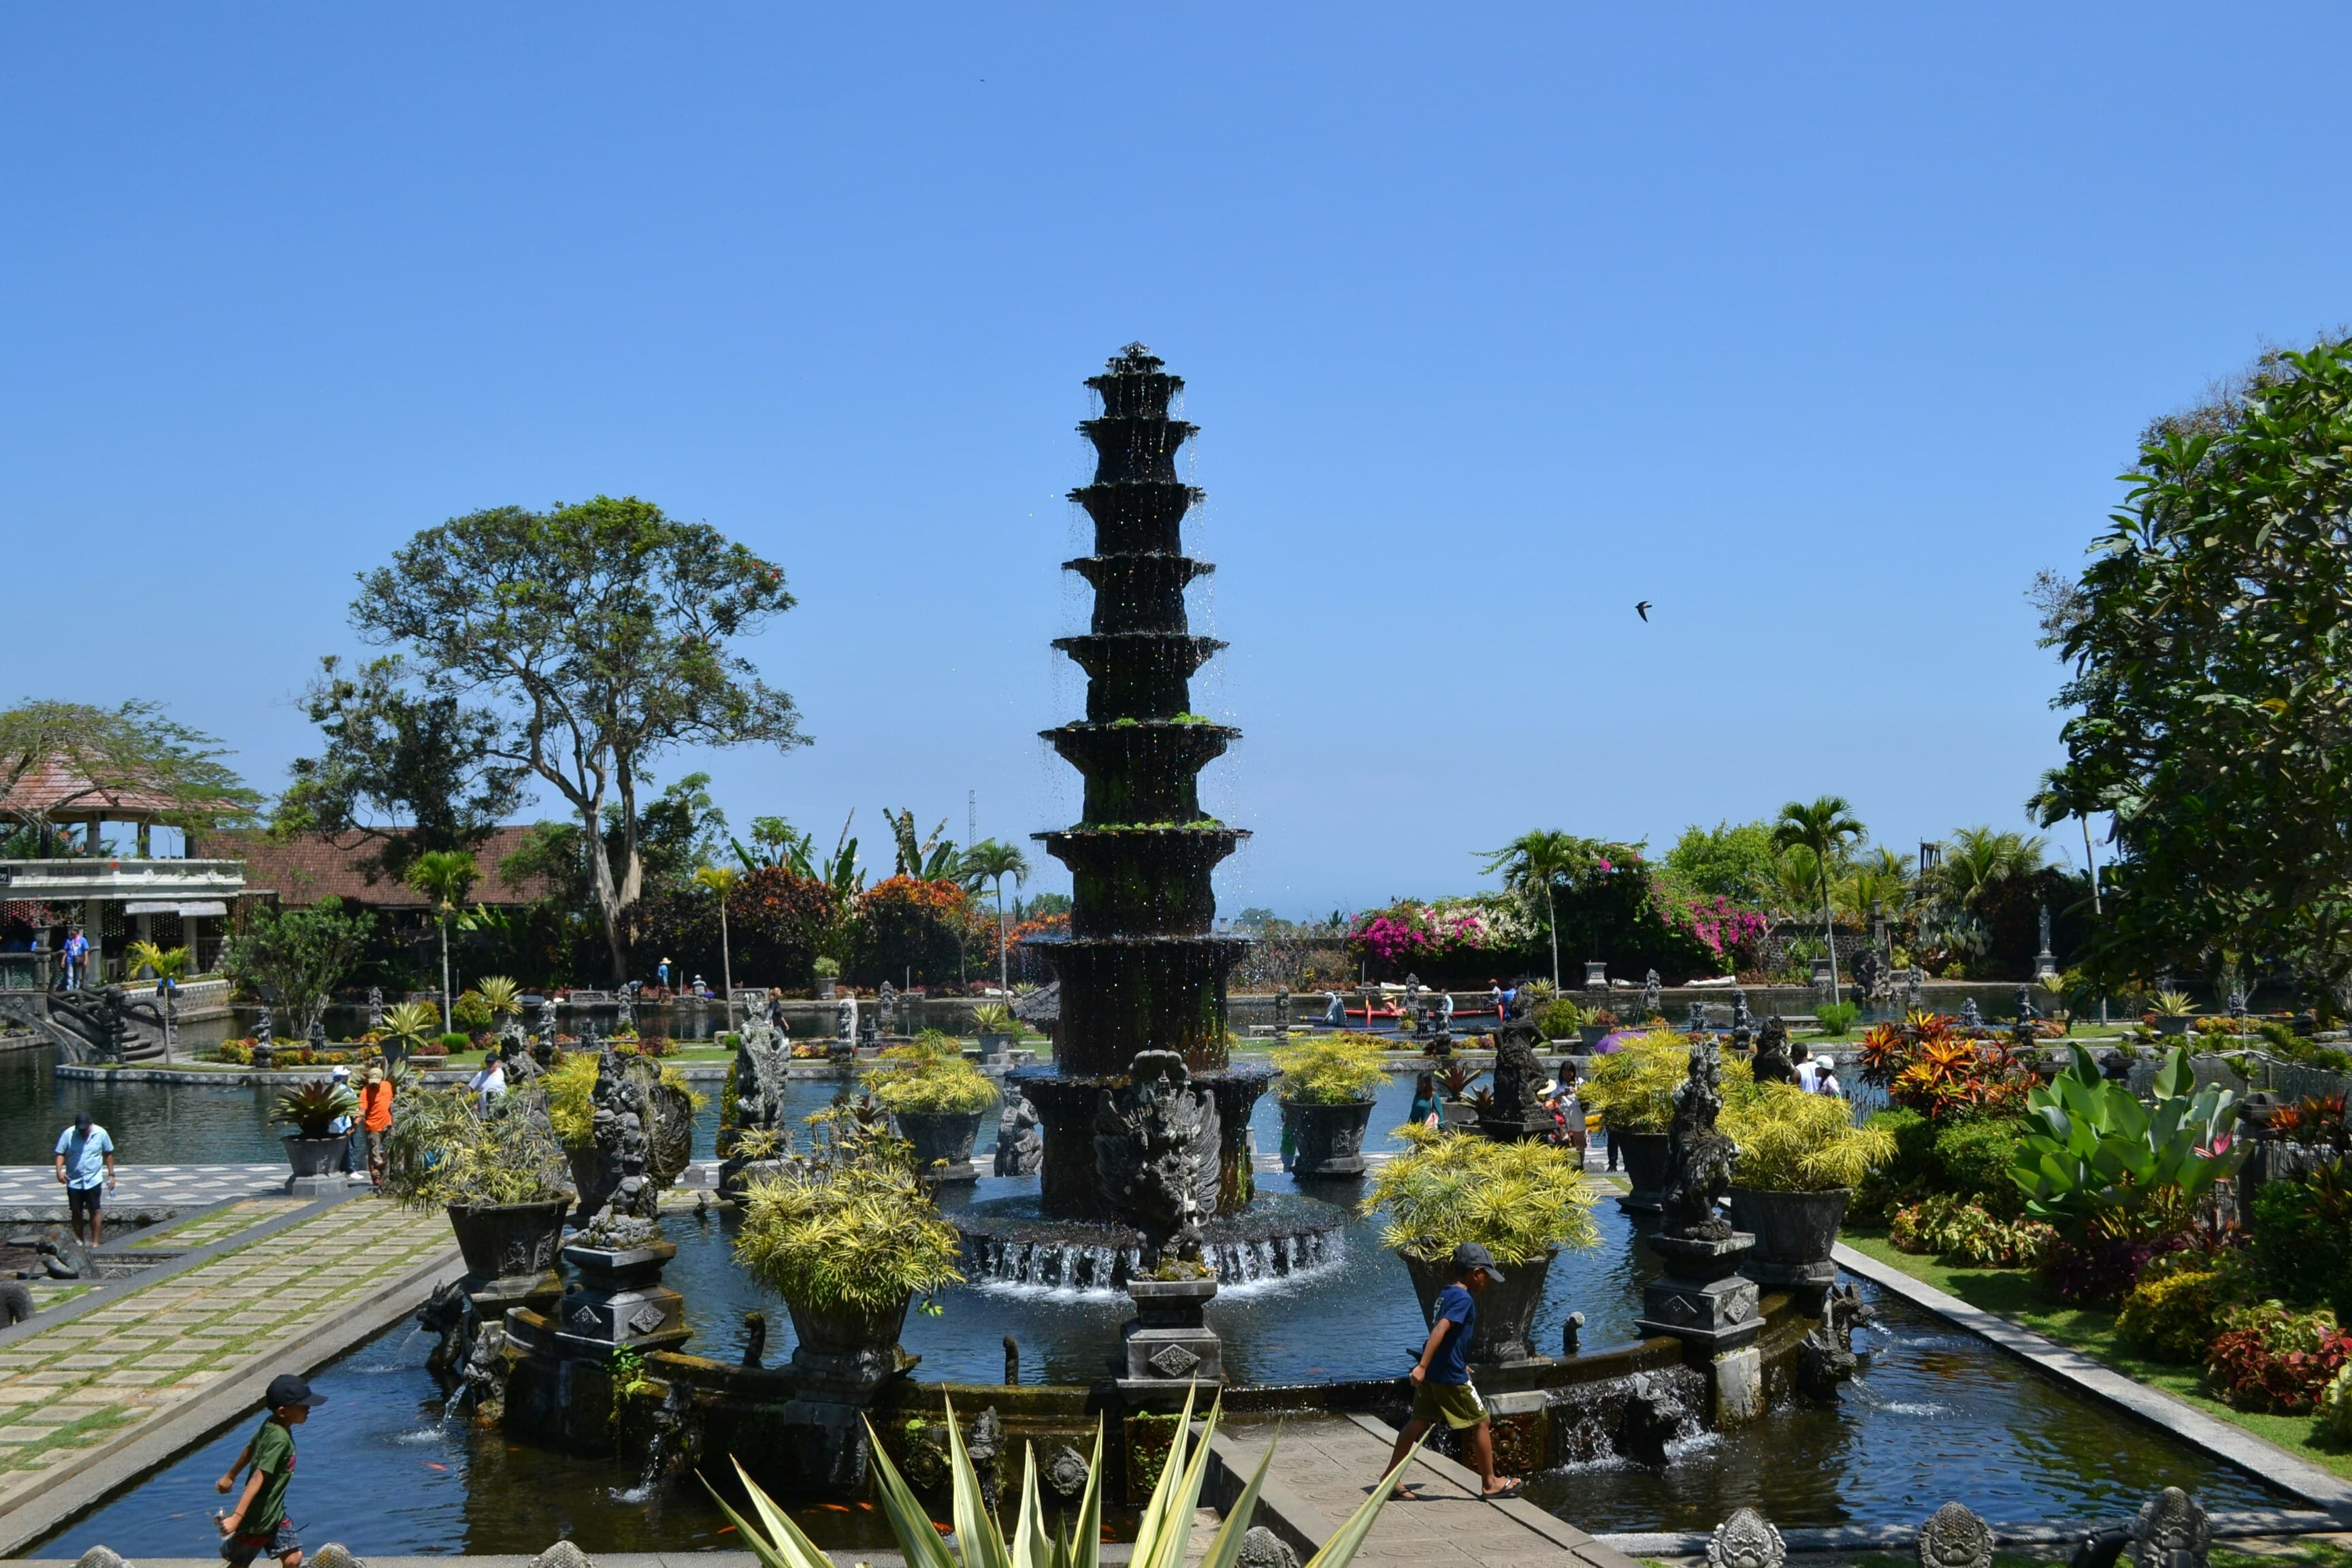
(1820, 330)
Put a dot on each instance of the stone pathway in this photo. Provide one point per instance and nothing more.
(1324, 1468)
(148, 1351)
(142, 1192)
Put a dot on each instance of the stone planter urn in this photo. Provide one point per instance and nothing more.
(315, 1156)
(1794, 1232)
(847, 1337)
(1591, 1035)
(510, 1251)
(2172, 1022)
(943, 1140)
(583, 1175)
(994, 1041)
(1326, 1139)
(1645, 1167)
(1506, 1308)
(825, 985)
(1457, 1116)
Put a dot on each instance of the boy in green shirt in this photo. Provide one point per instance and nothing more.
(258, 1522)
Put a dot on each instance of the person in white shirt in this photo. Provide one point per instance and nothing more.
(490, 1083)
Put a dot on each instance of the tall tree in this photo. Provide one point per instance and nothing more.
(721, 880)
(1540, 862)
(443, 876)
(1826, 827)
(411, 771)
(111, 751)
(2213, 683)
(600, 635)
(993, 859)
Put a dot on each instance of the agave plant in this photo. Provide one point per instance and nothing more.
(163, 962)
(502, 995)
(411, 1024)
(1162, 1531)
(2174, 1004)
(995, 1018)
(310, 1109)
(1455, 1078)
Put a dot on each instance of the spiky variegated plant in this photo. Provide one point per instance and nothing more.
(1520, 1200)
(411, 1024)
(1632, 1089)
(1331, 1069)
(848, 1223)
(503, 997)
(928, 1077)
(441, 1151)
(1162, 1531)
(1792, 1141)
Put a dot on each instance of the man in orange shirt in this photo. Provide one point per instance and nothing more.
(375, 1120)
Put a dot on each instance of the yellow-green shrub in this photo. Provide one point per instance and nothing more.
(1632, 1089)
(1329, 1070)
(2173, 1313)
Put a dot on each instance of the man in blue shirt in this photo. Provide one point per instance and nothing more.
(1441, 1389)
(85, 1159)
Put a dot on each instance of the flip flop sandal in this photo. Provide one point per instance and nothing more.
(1507, 1493)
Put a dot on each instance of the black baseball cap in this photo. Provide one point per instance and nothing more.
(1471, 1255)
(288, 1389)
(82, 1120)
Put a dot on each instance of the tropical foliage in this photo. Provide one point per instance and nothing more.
(441, 1149)
(1522, 1201)
(1926, 1065)
(310, 1109)
(294, 958)
(929, 1076)
(847, 1223)
(1632, 1089)
(1792, 1141)
(1337, 1068)
(2097, 1164)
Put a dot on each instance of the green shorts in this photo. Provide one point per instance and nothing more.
(1456, 1402)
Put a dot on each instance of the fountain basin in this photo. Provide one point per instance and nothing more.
(1012, 1241)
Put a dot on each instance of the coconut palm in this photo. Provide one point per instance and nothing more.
(1879, 881)
(1981, 857)
(994, 859)
(1540, 859)
(443, 876)
(1825, 827)
(721, 880)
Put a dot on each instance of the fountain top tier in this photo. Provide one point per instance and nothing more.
(1142, 968)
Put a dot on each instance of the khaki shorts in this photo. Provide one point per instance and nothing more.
(1457, 1404)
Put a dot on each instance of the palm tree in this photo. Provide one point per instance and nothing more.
(1825, 827)
(2063, 794)
(995, 860)
(443, 876)
(1540, 859)
(721, 880)
(170, 966)
(1980, 857)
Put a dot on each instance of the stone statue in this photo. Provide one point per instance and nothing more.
(1262, 1548)
(1650, 995)
(1954, 1537)
(1335, 1012)
(761, 1057)
(983, 1447)
(2045, 913)
(1743, 1022)
(627, 1204)
(1281, 1011)
(549, 1032)
(1914, 986)
(1020, 1141)
(845, 1019)
(2172, 1531)
(1872, 975)
(1746, 1540)
(1970, 1018)
(265, 1028)
(1156, 1144)
(886, 1009)
(1772, 1062)
(1697, 1023)
(317, 1038)
(624, 1007)
(1518, 1112)
(375, 1008)
(1698, 1158)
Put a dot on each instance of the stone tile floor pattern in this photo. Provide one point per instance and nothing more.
(178, 1187)
(220, 1224)
(154, 1346)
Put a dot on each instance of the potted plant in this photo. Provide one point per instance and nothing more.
(408, 1026)
(826, 972)
(1325, 1092)
(2173, 1011)
(1631, 1089)
(1562, 1019)
(501, 1178)
(1800, 1157)
(997, 1027)
(1523, 1201)
(1456, 1112)
(938, 1099)
(1598, 1026)
(848, 1235)
(311, 1108)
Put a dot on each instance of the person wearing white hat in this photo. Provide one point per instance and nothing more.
(343, 1126)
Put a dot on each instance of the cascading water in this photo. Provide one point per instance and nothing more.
(1143, 968)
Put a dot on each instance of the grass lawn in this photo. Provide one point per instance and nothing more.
(2018, 1295)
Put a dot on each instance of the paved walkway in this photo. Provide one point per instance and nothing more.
(144, 1357)
(143, 1194)
(1324, 1468)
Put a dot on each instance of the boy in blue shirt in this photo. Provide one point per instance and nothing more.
(1441, 1378)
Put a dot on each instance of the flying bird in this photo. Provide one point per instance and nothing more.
(1642, 610)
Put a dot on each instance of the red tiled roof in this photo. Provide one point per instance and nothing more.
(54, 784)
(315, 865)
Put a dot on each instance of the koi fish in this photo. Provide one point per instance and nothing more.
(431, 1465)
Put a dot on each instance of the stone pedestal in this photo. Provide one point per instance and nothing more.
(1702, 1299)
(841, 1359)
(620, 1301)
(510, 1251)
(1168, 1347)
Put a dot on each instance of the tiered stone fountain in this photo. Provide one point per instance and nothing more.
(1142, 970)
